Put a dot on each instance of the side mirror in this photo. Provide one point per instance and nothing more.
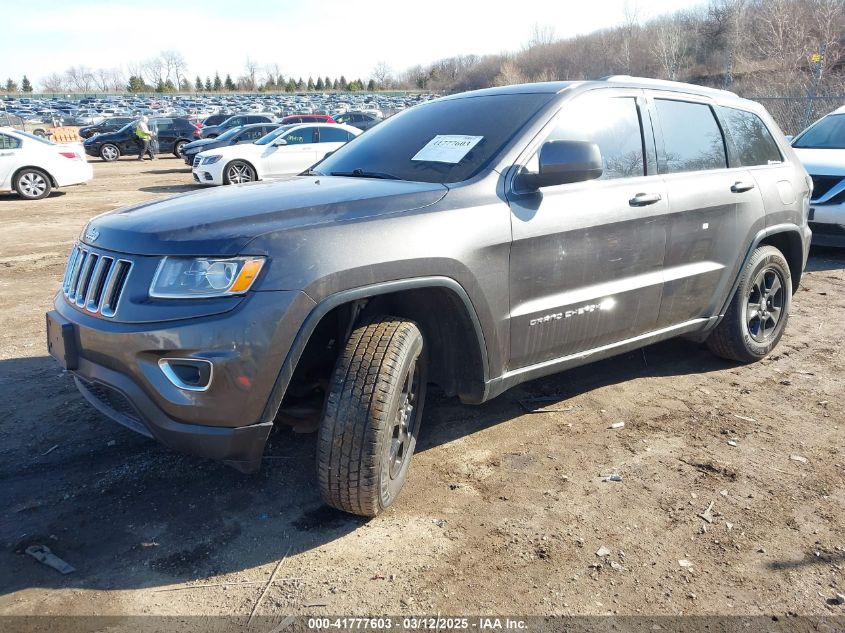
(280, 141)
(564, 162)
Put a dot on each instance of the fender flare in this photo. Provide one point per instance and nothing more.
(762, 235)
(362, 292)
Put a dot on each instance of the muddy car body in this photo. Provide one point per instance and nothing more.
(475, 242)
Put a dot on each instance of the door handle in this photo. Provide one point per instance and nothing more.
(6, 154)
(742, 185)
(643, 199)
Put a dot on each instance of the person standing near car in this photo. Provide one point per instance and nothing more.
(142, 131)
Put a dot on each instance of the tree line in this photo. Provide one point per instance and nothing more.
(755, 47)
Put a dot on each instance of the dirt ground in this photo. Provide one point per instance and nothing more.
(504, 511)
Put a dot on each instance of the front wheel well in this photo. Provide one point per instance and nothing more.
(789, 243)
(455, 350)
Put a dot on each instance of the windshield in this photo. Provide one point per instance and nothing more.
(828, 133)
(229, 133)
(272, 136)
(442, 141)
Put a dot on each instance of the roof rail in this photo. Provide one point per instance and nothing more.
(664, 83)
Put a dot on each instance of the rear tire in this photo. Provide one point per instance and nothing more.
(32, 184)
(368, 431)
(177, 149)
(758, 313)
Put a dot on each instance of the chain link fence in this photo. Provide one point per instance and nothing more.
(793, 114)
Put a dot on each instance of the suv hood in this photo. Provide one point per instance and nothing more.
(224, 220)
(822, 162)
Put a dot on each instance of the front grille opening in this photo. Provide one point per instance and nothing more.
(94, 282)
(823, 184)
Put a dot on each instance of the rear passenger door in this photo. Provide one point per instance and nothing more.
(587, 258)
(709, 202)
(166, 135)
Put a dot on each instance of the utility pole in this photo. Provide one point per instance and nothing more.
(817, 62)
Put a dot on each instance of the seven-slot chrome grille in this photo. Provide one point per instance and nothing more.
(196, 161)
(94, 281)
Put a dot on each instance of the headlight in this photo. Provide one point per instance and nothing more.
(186, 278)
(210, 160)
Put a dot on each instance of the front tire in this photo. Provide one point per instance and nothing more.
(32, 184)
(369, 427)
(109, 152)
(238, 172)
(758, 313)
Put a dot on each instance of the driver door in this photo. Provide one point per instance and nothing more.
(298, 154)
(587, 258)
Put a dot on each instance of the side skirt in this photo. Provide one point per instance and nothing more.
(514, 377)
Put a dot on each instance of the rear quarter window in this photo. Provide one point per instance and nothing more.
(692, 140)
(9, 142)
(752, 142)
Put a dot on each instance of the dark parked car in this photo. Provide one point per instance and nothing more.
(212, 131)
(361, 120)
(232, 136)
(106, 125)
(172, 134)
(214, 119)
(476, 242)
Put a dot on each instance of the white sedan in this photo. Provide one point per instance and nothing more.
(33, 166)
(286, 151)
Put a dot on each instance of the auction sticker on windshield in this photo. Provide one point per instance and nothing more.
(447, 148)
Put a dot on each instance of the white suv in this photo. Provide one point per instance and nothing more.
(821, 148)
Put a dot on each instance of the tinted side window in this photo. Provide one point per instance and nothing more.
(611, 123)
(8, 142)
(751, 138)
(333, 135)
(692, 139)
(252, 134)
(300, 136)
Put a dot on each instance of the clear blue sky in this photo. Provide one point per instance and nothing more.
(313, 37)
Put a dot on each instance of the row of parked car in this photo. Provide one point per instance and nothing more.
(232, 149)
(116, 137)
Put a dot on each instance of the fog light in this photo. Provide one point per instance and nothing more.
(191, 374)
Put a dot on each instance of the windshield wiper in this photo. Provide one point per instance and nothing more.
(360, 173)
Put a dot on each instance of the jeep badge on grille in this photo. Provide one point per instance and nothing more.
(91, 234)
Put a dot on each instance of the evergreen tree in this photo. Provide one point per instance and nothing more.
(11, 86)
(327, 83)
(198, 84)
(217, 83)
(136, 84)
(335, 85)
(168, 86)
(208, 86)
(25, 85)
(343, 84)
(291, 86)
(310, 84)
(229, 84)
(300, 84)
(371, 86)
(160, 86)
(319, 85)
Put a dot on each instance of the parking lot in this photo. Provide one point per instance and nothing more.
(508, 508)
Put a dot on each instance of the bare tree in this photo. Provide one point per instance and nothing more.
(629, 32)
(541, 35)
(248, 80)
(80, 78)
(509, 73)
(152, 70)
(53, 82)
(382, 73)
(667, 46)
(175, 67)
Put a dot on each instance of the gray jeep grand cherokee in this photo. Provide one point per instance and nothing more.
(475, 242)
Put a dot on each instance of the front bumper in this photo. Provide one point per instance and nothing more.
(116, 369)
(208, 174)
(827, 222)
